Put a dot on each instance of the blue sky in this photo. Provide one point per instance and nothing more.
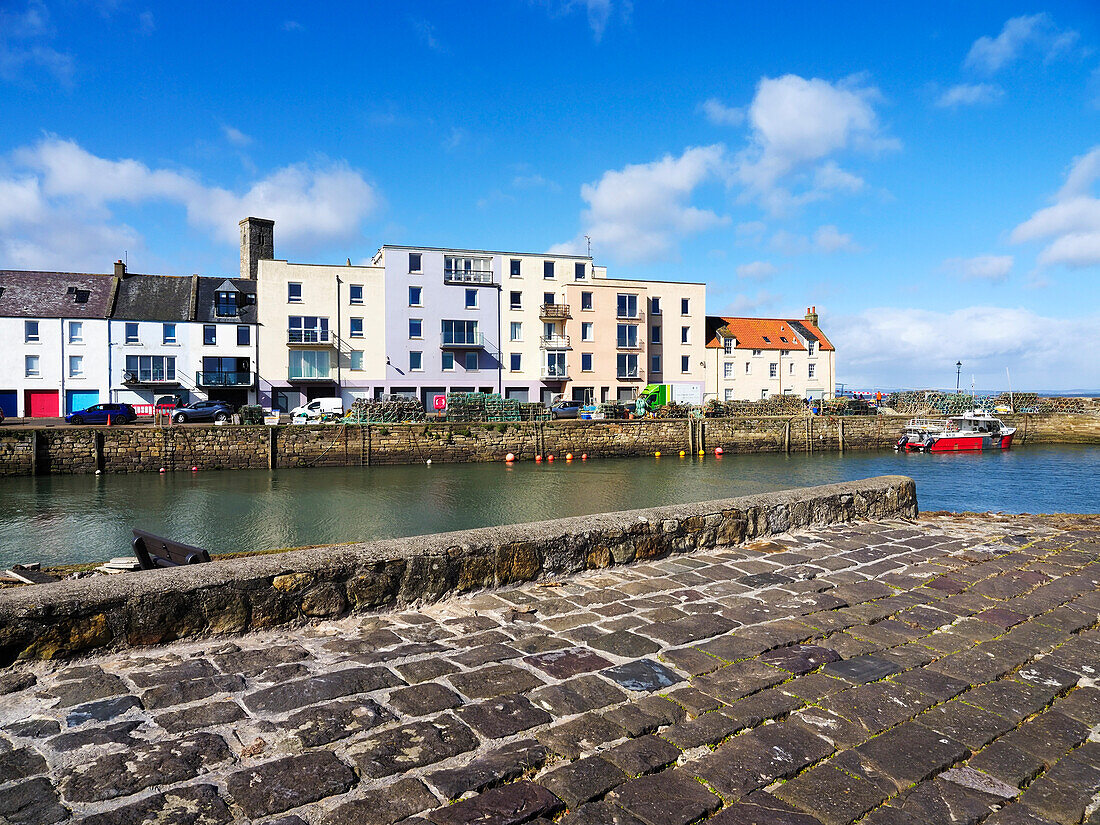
(925, 176)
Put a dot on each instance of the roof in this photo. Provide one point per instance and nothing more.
(207, 294)
(155, 298)
(764, 333)
(36, 294)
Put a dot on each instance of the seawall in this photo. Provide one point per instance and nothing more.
(147, 449)
(68, 618)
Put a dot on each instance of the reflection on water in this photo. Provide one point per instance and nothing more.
(57, 519)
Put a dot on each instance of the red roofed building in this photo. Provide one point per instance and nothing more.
(753, 358)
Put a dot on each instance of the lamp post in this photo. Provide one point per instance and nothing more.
(958, 375)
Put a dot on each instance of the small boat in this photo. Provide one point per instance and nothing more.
(971, 431)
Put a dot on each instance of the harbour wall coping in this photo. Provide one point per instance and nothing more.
(73, 617)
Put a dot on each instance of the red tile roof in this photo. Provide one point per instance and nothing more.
(750, 333)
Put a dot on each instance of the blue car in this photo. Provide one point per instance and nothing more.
(100, 413)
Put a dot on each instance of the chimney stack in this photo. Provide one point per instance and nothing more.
(120, 269)
(811, 315)
(257, 244)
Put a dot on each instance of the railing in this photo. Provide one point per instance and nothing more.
(628, 375)
(626, 343)
(220, 378)
(148, 378)
(464, 276)
(474, 341)
(309, 336)
(554, 342)
(559, 311)
(555, 374)
(639, 315)
(293, 375)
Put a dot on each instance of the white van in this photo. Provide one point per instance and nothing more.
(318, 407)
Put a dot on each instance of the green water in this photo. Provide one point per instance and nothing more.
(59, 519)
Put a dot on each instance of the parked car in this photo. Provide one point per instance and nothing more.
(203, 411)
(319, 407)
(566, 409)
(101, 413)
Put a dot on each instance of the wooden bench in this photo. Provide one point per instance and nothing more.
(154, 551)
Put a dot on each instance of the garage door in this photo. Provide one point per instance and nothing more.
(42, 404)
(9, 403)
(80, 400)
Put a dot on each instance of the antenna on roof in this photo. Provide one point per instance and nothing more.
(126, 257)
(588, 238)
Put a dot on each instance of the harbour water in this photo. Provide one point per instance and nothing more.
(63, 519)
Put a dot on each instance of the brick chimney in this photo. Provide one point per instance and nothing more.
(811, 315)
(257, 244)
(120, 269)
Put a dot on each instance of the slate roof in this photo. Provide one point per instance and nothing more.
(765, 333)
(155, 298)
(208, 289)
(36, 294)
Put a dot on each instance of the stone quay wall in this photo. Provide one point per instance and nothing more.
(71, 617)
(147, 449)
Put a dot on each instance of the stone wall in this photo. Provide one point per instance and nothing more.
(147, 449)
(65, 619)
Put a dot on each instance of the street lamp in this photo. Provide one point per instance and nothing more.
(958, 375)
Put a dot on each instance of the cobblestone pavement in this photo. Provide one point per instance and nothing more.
(930, 672)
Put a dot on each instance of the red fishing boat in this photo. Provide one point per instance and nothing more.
(971, 431)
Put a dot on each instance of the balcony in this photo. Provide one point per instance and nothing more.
(554, 373)
(465, 276)
(223, 379)
(628, 344)
(638, 316)
(554, 312)
(149, 379)
(310, 338)
(306, 374)
(629, 375)
(469, 341)
(554, 342)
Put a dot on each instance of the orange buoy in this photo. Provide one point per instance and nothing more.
(510, 457)
(568, 456)
(538, 458)
(718, 451)
(584, 456)
(550, 457)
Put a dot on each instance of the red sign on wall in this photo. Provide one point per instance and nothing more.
(439, 402)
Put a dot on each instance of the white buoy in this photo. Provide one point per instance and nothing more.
(429, 461)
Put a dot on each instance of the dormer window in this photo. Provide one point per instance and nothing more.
(225, 304)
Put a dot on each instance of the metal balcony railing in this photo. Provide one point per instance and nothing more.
(639, 315)
(219, 378)
(468, 341)
(554, 373)
(554, 342)
(554, 312)
(628, 375)
(465, 276)
(317, 337)
(626, 343)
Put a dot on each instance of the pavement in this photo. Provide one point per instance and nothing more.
(937, 671)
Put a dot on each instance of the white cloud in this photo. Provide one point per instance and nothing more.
(720, 114)
(756, 270)
(236, 136)
(751, 230)
(455, 139)
(970, 94)
(918, 348)
(745, 304)
(56, 201)
(639, 212)
(23, 46)
(831, 239)
(825, 239)
(990, 54)
(830, 176)
(292, 26)
(147, 24)
(797, 124)
(534, 181)
(1071, 226)
(980, 268)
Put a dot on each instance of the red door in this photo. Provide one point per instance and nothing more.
(42, 404)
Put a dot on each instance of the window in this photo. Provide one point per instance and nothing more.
(809, 347)
(468, 270)
(655, 365)
(727, 346)
(356, 327)
(513, 268)
(416, 361)
(586, 331)
(758, 352)
(225, 304)
(655, 335)
(578, 271)
(310, 363)
(685, 335)
(414, 262)
(30, 332)
(781, 338)
(307, 329)
(586, 362)
(355, 293)
(30, 366)
(149, 368)
(655, 306)
(471, 361)
(76, 366)
(357, 360)
(685, 363)
(168, 334)
(460, 332)
(515, 300)
(244, 335)
(471, 299)
(515, 331)
(586, 300)
(548, 269)
(729, 395)
(416, 328)
(790, 368)
(627, 365)
(684, 306)
(773, 370)
(813, 369)
(767, 340)
(626, 335)
(76, 332)
(548, 298)
(555, 365)
(727, 369)
(131, 331)
(514, 361)
(748, 368)
(415, 293)
(293, 293)
(626, 306)
(209, 335)
(448, 361)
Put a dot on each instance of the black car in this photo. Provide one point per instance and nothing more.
(566, 409)
(203, 411)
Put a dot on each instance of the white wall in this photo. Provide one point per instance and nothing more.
(53, 350)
